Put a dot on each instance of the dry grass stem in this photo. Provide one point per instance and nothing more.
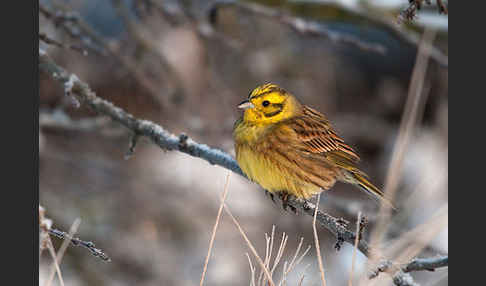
(62, 250)
(252, 269)
(418, 237)
(316, 241)
(353, 261)
(268, 253)
(50, 247)
(281, 249)
(301, 280)
(250, 245)
(407, 125)
(215, 227)
(403, 249)
(288, 267)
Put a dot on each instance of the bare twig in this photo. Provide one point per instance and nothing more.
(295, 261)
(416, 239)
(60, 252)
(78, 242)
(252, 270)
(71, 24)
(215, 227)
(417, 264)
(410, 13)
(43, 37)
(429, 264)
(407, 126)
(77, 28)
(299, 25)
(250, 245)
(131, 147)
(50, 247)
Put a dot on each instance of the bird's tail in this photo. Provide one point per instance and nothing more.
(360, 179)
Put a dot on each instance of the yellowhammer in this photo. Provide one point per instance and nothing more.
(291, 148)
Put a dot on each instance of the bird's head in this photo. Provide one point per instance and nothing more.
(269, 104)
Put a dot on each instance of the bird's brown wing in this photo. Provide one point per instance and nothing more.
(315, 135)
(309, 148)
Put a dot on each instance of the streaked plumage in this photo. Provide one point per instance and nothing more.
(288, 147)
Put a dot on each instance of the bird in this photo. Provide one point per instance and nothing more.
(291, 149)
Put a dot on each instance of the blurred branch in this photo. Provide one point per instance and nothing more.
(43, 37)
(74, 27)
(417, 264)
(78, 242)
(410, 13)
(314, 28)
(77, 28)
(183, 143)
(300, 25)
(44, 240)
(429, 264)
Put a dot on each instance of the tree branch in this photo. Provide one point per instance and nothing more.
(300, 25)
(182, 143)
(429, 264)
(417, 264)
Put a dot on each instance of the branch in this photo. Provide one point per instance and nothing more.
(417, 264)
(182, 143)
(78, 242)
(43, 37)
(429, 264)
(71, 23)
(300, 25)
(317, 29)
(410, 13)
(44, 240)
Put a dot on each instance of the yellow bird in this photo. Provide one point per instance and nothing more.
(291, 148)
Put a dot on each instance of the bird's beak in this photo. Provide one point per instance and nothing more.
(245, 104)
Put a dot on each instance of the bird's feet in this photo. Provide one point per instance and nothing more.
(285, 202)
(271, 195)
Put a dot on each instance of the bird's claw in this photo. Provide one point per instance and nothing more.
(285, 203)
(271, 195)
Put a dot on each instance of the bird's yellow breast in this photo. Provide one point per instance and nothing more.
(265, 168)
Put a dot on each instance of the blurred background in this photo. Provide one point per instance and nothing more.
(186, 65)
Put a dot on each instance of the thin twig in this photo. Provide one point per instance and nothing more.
(62, 249)
(410, 13)
(252, 270)
(215, 227)
(250, 245)
(299, 25)
(78, 242)
(429, 264)
(50, 247)
(43, 37)
(316, 241)
(407, 126)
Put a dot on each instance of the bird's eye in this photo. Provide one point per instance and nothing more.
(266, 103)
